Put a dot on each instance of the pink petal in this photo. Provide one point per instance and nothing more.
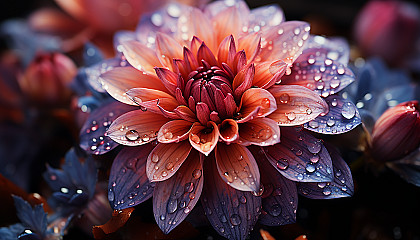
(254, 98)
(185, 113)
(230, 104)
(166, 159)
(174, 131)
(174, 198)
(168, 78)
(140, 56)
(296, 105)
(228, 130)
(203, 113)
(194, 23)
(204, 138)
(190, 60)
(230, 21)
(243, 81)
(167, 49)
(204, 53)
(260, 131)
(121, 79)
(237, 167)
(136, 127)
(153, 100)
(226, 51)
(284, 41)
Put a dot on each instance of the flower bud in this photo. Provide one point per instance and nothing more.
(397, 132)
(46, 79)
(388, 29)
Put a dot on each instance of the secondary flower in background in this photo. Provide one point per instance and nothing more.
(388, 29)
(46, 80)
(209, 85)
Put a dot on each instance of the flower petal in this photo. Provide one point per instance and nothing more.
(237, 167)
(231, 212)
(337, 48)
(296, 105)
(260, 131)
(121, 79)
(254, 98)
(167, 49)
(228, 130)
(243, 81)
(317, 72)
(166, 159)
(341, 117)
(194, 23)
(174, 131)
(265, 77)
(174, 198)
(205, 53)
(140, 56)
(146, 98)
(251, 44)
(279, 198)
(271, 15)
(203, 113)
(226, 51)
(300, 157)
(128, 183)
(136, 127)
(92, 135)
(204, 138)
(407, 168)
(185, 113)
(284, 41)
(341, 186)
(168, 78)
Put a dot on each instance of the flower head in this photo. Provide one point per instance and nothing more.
(221, 93)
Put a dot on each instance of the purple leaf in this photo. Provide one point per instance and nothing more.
(300, 157)
(408, 168)
(316, 71)
(92, 134)
(34, 218)
(231, 212)
(342, 117)
(279, 199)
(341, 186)
(174, 198)
(337, 48)
(128, 183)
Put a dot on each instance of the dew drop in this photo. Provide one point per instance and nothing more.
(242, 199)
(291, 116)
(189, 187)
(284, 98)
(155, 158)
(334, 83)
(196, 174)
(314, 159)
(132, 135)
(235, 219)
(111, 195)
(282, 164)
(298, 152)
(223, 219)
(326, 191)
(311, 59)
(162, 217)
(322, 185)
(275, 210)
(265, 103)
(172, 205)
(187, 210)
(300, 176)
(296, 31)
(169, 165)
(314, 147)
(334, 102)
(313, 124)
(330, 122)
(310, 168)
(348, 111)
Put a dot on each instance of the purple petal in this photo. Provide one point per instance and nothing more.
(342, 186)
(34, 218)
(128, 183)
(300, 157)
(279, 199)
(92, 134)
(174, 198)
(342, 117)
(93, 72)
(212, 9)
(123, 36)
(314, 69)
(231, 212)
(408, 167)
(92, 54)
(337, 48)
(270, 15)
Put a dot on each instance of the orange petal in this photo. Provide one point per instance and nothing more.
(165, 159)
(243, 81)
(230, 21)
(264, 78)
(296, 105)
(204, 138)
(136, 127)
(168, 79)
(226, 51)
(140, 56)
(121, 79)
(260, 131)
(254, 98)
(251, 43)
(185, 113)
(237, 167)
(174, 131)
(167, 49)
(150, 99)
(228, 130)
(195, 23)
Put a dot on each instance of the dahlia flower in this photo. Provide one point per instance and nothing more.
(224, 95)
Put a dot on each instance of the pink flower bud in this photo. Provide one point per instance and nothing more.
(388, 29)
(46, 79)
(397, 132)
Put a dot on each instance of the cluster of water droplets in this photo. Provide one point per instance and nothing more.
(342, 117)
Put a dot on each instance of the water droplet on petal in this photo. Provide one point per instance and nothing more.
(326, 191)
(265, 103)
(314, 159)
(132, 135)
(169, 165)
(284, 98)
(315, 147)
(300, 176)
(189, 187)
(242, 199)
(111, 195)
(172, 205)
(223, 219)
(196, 174)
(162, 217)
(155, 158)
(275, 210)
(348, 111)
(310, 168)
(235, 219)
(282, 164)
